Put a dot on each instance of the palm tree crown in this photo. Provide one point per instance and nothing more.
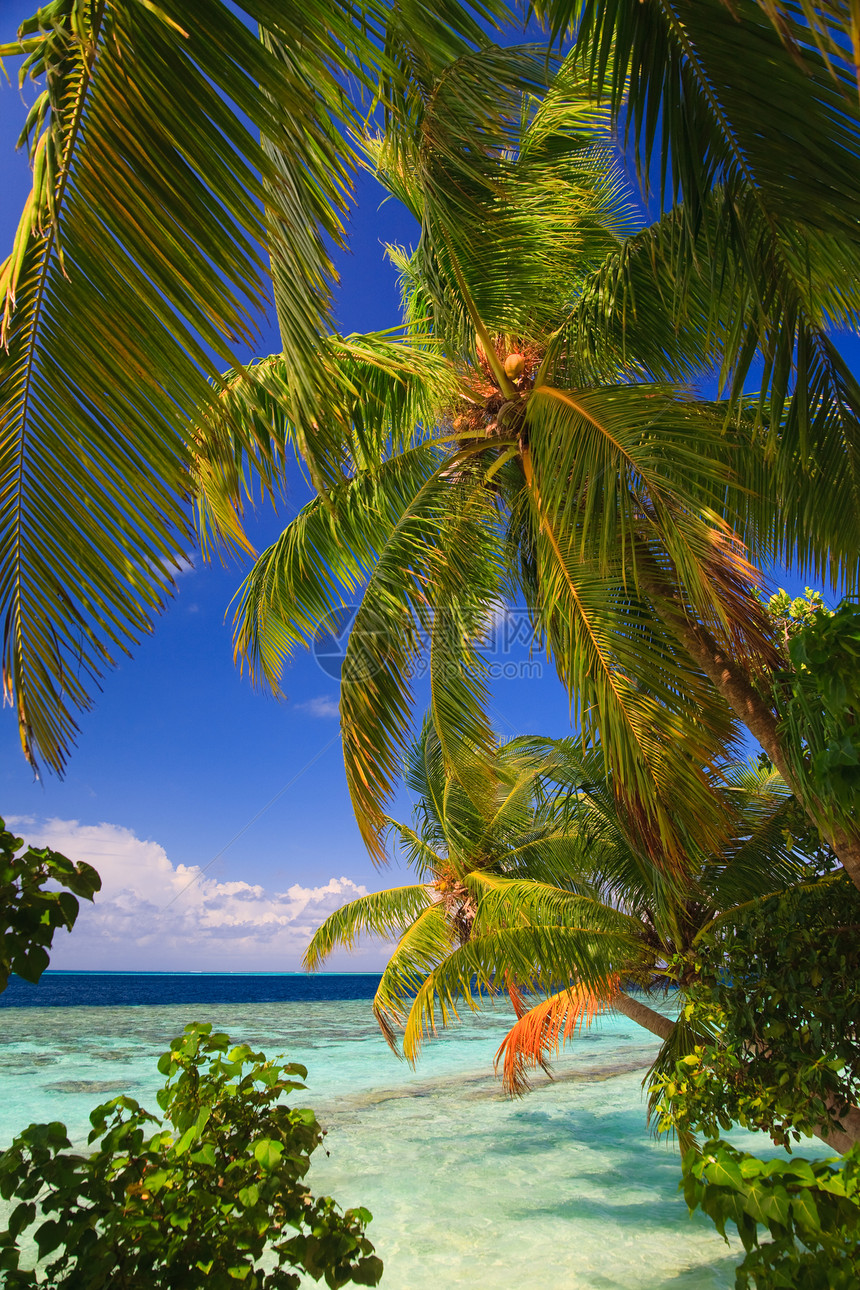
(460, 852)
(519, 440)
(546, 889)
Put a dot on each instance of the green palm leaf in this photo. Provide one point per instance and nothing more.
(419, 855)
(137, 260)
(379, 392)
(441, 546)
(426, 942)
(600, 634)
(303, 582)
(178, 161)
(719, 95)
(518, 902)
(551, 955)
(655, 305)
(761, 856)
(382, 913)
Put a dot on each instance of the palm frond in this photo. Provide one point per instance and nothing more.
(541, 201)
(437, 572)
(548, 956)
(545, 1027)
(382, 395)
(424, 944)
(382, 913)
(760, 856)
(717, 95)
(420, 857)
(309, 581)
(136, 269)
(424, 775)
(600, 635)
(610, 463)
(518, 902)
(754, 299)
(466, 588)
(812, 462)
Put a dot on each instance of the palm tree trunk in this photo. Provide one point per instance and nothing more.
(734, 685)
(841, 1140)
(659, 1025)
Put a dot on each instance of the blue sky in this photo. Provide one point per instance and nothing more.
(218, 817)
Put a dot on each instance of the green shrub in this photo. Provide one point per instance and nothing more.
(30, 913)
(810, 1209)
(817, 699)
(775, 1008)
(776, 1005)
(215, 1195)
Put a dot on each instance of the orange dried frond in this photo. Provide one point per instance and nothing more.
(516, 996)
(542, 1030)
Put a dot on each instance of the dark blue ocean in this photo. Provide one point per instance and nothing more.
(127, 989)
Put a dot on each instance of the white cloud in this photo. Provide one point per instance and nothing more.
(154, 915)
(323, 706)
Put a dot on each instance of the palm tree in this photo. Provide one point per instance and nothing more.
(142, 255)
(455, 849)
(548, 889)
(518, 441)
(759, 856)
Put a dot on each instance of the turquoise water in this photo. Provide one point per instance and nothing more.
(564, 1188)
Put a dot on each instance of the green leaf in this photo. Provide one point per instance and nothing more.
(190, 1135)
(205, 1155)
(804, 1211)
(723, 1171)
(268, 1153)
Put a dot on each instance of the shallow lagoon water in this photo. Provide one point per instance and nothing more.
(564, 1188)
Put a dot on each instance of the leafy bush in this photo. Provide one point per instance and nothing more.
(774, 1004)
(810, 1210)
(775, 1000)
(29, 912)
(818, 702)
(214, 1195)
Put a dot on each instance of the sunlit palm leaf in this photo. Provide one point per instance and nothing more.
(714, 93)
(383, 913)
(424, 944)
(551, 955)
(175, 155)
(306, 582)
(663, 306)
(438, 549)
(137, 266)
(419, 856)
(545, 1027)
(379, 394)
(599, 634)
(542, 201)
(518, 902)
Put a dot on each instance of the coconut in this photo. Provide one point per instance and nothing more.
(515, 365)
